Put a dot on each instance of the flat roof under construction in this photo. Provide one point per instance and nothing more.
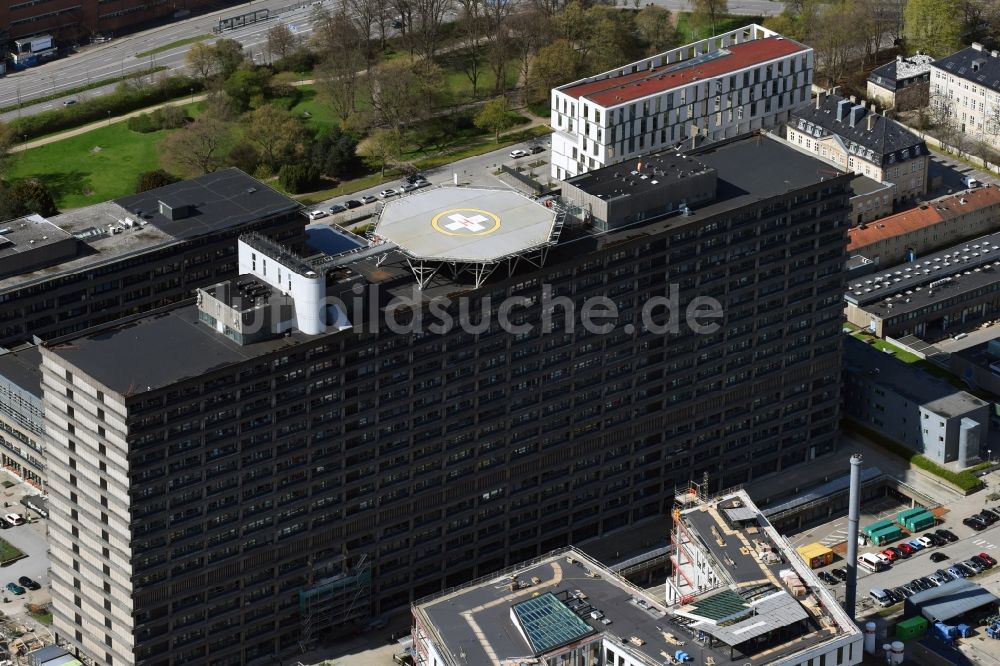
(468, 225)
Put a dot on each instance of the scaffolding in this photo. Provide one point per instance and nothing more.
(334, 601)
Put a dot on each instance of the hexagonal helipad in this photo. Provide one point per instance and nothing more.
(459, 224)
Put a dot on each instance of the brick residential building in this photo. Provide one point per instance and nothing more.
(713, 89)
(76, 19)
(935, 224)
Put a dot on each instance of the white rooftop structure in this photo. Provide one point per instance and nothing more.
(467, 229)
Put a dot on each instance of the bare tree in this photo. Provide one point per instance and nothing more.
(530, 30)
(368, 16)
(403, 91)
(425, 21)
(198, 148)
(281, 41)
(338, 81)
(472, 25)
(497, 14)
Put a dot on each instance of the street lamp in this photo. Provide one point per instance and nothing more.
(989, 455)
(109, 117)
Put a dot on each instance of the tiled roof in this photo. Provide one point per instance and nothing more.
(621, 89)
(936, 211)
(884, 143)
(972, 64)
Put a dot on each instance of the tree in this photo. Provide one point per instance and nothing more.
(27, 197)
(555, 65)
(150, 180)
(8, 137)
(381, 148)
(244, 157)
(296, 178)
(344, 52)
(201, 59)
(496, 16)
(425, 20)
(404, 91)
(494, 117)
(930, 26)
(197, 148)
(706, 13)
(247, 86)
(278, 136)
(471, 23)
(612, 40)
(281, 41)
(836, 39)
(228, 55)
(656, 28)
(334, 153)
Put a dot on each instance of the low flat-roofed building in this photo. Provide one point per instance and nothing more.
(907, 405)
(901, 84)
(937, 223)
(22, 427)
(871, 199)
(950, 601)
(934, 296)
(97, 264)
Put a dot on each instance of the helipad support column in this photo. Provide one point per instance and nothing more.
(853, 515)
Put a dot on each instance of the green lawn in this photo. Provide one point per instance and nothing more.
(92, 167)
(173, 45)
(8, 553)
(459, 86)
(43, 615)
(686, 33)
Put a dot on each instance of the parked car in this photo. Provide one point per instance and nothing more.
(423, 183)
(367, 199)
(537, 149)
(945, 576)
(14, 588)
(936, 580)
(840, 573)
(827, 578)
(69, 102)
(969, 567)
(975, 523)
(988, 559)
(979, 562)
(15, 519)
(916, 544)
(946, 535)
(388, 192)
(4, 524)
(903, 591)
(938, 557)
(894, 595)
(880, 596)
(906, 549)
(408, 187)
(899, 551)
(338, 208)
(353, 203)
(882, 557)
(987, 516)
(891, 554)
(317, 214)
(517, 154)
(926, 582)
(957, 572)
(28, 583)
(926, 541)
(935, 539)
(990, 512)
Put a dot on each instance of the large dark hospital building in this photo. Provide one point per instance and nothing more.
(303, 448)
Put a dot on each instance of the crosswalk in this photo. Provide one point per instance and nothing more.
(984, 544)
(834, 538)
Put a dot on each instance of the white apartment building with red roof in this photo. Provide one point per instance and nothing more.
(713, 89)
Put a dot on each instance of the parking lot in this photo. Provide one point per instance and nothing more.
(29, 539)
(473, 171)
(918, 565)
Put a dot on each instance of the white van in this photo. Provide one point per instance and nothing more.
(871, 563)
(971, 182)
(880, 597)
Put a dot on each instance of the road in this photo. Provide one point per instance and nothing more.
(102, 61)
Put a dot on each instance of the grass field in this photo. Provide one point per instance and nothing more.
(92, 167)
(9, 553)
(173, 45)
(687, 33)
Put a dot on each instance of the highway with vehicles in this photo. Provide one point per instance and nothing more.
(118, 57)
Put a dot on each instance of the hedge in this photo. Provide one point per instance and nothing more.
(966, 480)
(125, 99)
